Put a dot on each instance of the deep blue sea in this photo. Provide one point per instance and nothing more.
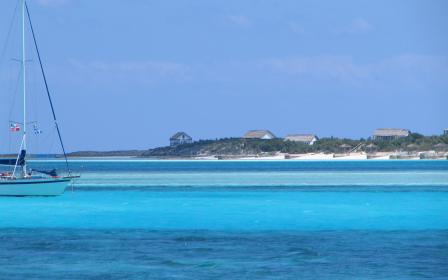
(141, 219)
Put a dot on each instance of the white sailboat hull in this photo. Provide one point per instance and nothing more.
(33, 187)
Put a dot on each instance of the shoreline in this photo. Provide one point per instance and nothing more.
(383, 156)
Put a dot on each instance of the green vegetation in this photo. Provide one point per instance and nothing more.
(414, 142)
(246, 147)
(229, 147)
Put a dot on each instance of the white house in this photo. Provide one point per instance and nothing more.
(180, 138)
(259, 134)
(390, 133)
(308, 139)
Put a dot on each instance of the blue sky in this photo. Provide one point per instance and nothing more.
(128, 74)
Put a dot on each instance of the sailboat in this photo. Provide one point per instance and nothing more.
(21, 180)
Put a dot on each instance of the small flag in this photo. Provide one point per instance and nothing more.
(14, 127)
(37, 130)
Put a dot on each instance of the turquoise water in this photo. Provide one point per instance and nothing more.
(233, 220)
(230, 210)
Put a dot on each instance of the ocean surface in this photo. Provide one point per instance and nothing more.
(137, 219)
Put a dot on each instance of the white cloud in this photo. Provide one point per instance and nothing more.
(404, 70)
(296, 28)
(410, 68)
(334, 67)
(239, 20)
(141, 71)
(358, 25)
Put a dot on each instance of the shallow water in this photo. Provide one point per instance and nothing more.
(233, 220)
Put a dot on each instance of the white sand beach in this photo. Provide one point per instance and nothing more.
(332, 157)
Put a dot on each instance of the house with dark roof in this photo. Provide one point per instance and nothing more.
(259, 134)
(180, 138)
(390, 133)
(308, 139)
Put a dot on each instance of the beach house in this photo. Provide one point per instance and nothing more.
(259, 134)
(308, 139)
(180, 138)
(445, 131)
(387, 134)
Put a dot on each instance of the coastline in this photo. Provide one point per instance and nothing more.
(423, 155)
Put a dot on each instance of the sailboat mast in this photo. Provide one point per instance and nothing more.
(24, 79)
(47, 89)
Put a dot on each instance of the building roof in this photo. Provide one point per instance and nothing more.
(301, 137)
(258, 134)
(391, 132)
(180, 135)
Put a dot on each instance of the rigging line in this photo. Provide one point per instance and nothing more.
(8, 36)
(18, 156)
(3, 53)
(46, 88)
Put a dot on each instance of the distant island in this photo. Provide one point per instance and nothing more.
(255, 145)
